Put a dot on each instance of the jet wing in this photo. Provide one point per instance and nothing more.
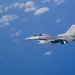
(62, 41)
(45, 41)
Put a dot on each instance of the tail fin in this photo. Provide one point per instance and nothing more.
(71, 30)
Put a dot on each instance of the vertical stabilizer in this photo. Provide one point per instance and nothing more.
(71, 30)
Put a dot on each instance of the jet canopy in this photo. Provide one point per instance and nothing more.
(38, 35)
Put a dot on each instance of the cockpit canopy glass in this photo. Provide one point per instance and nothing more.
(38, 35)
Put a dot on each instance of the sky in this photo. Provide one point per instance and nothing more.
(20, 19)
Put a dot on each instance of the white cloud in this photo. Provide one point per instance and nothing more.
(21, 5)
(11, 6)
(48, 53)
(30, 6)
(58, 20)
(3, 8)
(6, 8)
(25, 19)
(7, 18)
(44, 1)
(16, 5)
(41, 10)
(16, 34)
(58, 1)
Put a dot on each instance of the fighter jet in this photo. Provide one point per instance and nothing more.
(60, 38)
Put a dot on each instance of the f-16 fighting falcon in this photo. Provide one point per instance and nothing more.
(60, 38)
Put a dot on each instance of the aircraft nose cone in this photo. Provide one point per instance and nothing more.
(26, 38)
(31, 38)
